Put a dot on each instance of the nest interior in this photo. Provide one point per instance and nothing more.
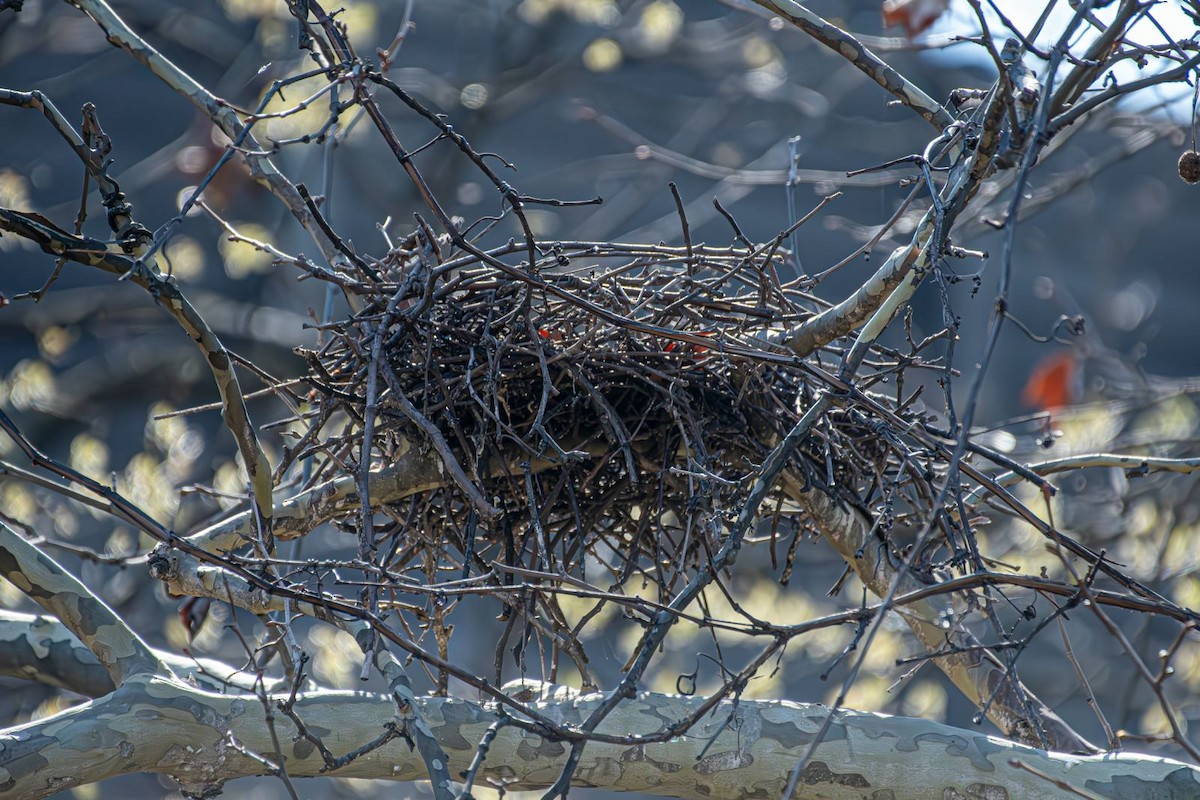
(616, 403)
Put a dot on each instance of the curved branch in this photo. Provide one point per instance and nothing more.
(839, 320)
(165, 291)
(118, 649)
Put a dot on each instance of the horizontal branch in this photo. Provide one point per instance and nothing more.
(411, 471)
(202, 739)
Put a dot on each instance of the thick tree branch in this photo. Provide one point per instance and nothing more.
(119, 650)
(411, 471)
(143, 725)
(980, 676)
(40, 648)
(839, 320)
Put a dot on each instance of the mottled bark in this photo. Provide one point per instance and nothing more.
(202, 739)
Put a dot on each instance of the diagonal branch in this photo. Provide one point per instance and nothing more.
(977, 673)
(41, 648)
(118, 649)
(223, 116)
(166, 293)
(860, 56)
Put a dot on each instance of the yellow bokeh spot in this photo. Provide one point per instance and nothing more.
(825, 643)
(659, 24)
(1090, 428)
(360, 20)
(602, 55)
(304, 106)
(1186, 662)
(14, 193)
(14, 190)
(274, 35)
(184, 258)
(1173, 420)
(869, 693)
(926, 700)
(1186, 591)
(177, 636)
(150, 486)
(252, 9)
(10, 595)
(54, 341)
(164, 432)
(89, 791)
(242, 258)
(30, 385)
(18, 503)
(1138, 549)
(66, 523)
(121, 543)
(758, 52)
(535, 12)
(89, 455)
(1155, 723)
(1182, 556)
(473, 96)
(884, 650)
(336, 656)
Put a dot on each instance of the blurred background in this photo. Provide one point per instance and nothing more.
(584, 98)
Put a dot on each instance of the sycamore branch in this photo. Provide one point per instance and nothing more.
(974, 669)
(736, 750)
(839, 320)
(937, 624)
(40, 648)
(117, 648)
(411, 471)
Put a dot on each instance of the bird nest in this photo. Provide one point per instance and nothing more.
(612, 408)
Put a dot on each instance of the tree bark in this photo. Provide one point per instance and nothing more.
(738, 750)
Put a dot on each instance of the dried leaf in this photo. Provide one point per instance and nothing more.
(914, 15)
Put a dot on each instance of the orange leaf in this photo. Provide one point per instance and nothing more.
(1052, 384)
(914, 15)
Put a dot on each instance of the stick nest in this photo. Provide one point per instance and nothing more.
(565, 408)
